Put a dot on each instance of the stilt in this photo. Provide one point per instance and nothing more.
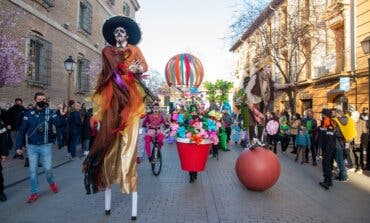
(134, 206)
(108, 196)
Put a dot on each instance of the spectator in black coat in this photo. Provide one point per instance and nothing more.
(75, 128)
(61, 125)
(4, 151)
(13, 120)
(86, 132)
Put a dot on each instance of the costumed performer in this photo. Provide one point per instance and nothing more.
(118, 104)
(260, 94)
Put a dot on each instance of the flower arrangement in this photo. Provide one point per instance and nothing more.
(193, 123)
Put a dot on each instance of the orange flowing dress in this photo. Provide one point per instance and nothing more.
(119, 165)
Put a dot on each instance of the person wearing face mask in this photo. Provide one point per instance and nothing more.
(37, 125)
(260, 93)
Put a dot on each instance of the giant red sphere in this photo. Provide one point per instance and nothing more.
(257, 169)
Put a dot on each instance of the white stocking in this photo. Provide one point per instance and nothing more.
(108, 197)
(134, 206)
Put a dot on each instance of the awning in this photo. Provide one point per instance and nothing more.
(332, 94)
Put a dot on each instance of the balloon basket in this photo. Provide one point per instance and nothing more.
(193, 157)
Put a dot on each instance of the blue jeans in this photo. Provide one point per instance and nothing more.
(61, 137)
(73, 141)
(45, 153)
(339, 158)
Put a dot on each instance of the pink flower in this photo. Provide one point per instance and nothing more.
(188, 135)
(218, 124)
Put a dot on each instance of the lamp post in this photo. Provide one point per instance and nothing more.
(69, 64)
(366, 49)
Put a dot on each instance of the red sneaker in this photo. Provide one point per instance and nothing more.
(54, 188)
(32, 198)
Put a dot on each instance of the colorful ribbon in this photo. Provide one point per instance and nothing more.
(119, 81)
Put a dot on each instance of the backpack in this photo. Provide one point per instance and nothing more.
(349, 130)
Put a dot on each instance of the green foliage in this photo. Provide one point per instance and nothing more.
(241, 102)
(244, 111)
(218, 91)
(211, 90)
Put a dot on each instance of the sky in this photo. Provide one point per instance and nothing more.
(197, 27)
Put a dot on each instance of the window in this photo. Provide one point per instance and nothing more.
(82, 78)
(39, 55)
(49, 3)
(85, 21)
(126, 9)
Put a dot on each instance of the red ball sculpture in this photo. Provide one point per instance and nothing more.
(257, 169)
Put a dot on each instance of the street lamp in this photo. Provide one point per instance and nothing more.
(366, 49)
(69, 64)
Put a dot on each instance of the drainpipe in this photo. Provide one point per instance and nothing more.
(353, 47)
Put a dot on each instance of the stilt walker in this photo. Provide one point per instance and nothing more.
(118, 104)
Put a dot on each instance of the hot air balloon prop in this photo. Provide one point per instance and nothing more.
(184, 71)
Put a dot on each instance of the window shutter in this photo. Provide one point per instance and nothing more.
(45, 62)
(86, 16)
(85, 79)
(40, 61)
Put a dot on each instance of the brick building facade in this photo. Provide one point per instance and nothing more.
(338, 57)
(49, 31)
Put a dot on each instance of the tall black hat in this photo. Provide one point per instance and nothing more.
(131, 27)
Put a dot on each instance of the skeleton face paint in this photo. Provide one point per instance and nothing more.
(120, 35)
(267, 71)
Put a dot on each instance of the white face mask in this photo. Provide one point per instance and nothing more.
(267, 71)
(120, 36)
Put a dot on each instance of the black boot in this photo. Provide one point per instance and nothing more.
(191, 180)
(195, 175)
(325, 185)
(26, 162)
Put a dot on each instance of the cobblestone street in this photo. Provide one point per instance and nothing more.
(217, 195)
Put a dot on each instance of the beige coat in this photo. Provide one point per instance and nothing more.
(294, 127)
(361, 129)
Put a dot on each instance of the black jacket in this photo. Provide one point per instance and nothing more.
(14, 116)
(4, 140)
(86, 130)
(38, 129)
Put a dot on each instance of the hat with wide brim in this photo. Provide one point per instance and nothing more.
(261, 63)
(131, 27)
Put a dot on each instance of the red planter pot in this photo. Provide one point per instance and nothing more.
(193, 157)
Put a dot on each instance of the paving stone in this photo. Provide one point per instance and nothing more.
(217, 195)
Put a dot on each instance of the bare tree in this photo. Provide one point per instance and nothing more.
(245, 13)
(291, 36)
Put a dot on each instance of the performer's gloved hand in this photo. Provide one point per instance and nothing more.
(136, 67)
